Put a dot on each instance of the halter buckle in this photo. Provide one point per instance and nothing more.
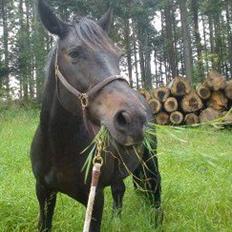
(84, 100)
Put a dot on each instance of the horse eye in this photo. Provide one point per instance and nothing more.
(74, 54)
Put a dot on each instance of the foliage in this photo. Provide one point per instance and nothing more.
(150, 32)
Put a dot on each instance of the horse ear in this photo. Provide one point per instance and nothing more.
(106, 20)
(53, 24)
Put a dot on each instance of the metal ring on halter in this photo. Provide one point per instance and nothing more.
(56, 70)
(98, 159)
(84, 100)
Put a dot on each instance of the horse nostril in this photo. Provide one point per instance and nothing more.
(122, 119)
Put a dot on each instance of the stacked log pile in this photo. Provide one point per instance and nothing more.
(179, 103)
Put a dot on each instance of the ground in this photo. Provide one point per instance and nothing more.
(196, 169)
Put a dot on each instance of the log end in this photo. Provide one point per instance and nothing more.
(209, 114)
(155, 105)
(162, 118)
(191, 119)
(176, 118)
(203, 92)
(218, 101)
(191, 103)
(145, 94)
(180, 86)
(171, 104)
(215, 81)
(161, 93)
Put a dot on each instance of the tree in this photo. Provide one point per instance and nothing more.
(188, 63)
(5, 69)
(154, 53)
(170, 45)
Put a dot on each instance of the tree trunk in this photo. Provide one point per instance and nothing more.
(205, 44)
(141, 64)
(218, 39)
(211, 39)
(195, 7)
(229, 34)
(128, 50)
(147, 52)
(22, 52)
(29, 69)
(169, 39)
(135, 50)
(41, 45)
(186, 40)
(6, 47)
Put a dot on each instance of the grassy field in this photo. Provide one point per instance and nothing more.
(196, 169)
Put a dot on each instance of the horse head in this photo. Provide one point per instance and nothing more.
(85, 58)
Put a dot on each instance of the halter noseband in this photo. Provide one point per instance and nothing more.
(83, 97)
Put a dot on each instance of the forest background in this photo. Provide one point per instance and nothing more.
(161, 39)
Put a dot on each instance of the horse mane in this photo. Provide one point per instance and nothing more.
(93, 36)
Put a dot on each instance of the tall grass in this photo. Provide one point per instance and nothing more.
(196, 170)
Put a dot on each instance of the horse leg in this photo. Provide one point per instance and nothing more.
(153, 184)
(118, 189)
(95, 225)
(147, 176)
(47, 201)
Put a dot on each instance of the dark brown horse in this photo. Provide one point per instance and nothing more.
(86, 61)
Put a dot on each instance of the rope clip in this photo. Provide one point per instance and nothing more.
(84, 100)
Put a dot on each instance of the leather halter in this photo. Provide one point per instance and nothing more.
(85, 96)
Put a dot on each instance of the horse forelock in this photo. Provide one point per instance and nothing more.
(93, 36)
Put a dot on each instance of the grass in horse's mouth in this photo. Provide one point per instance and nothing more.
(103, 137)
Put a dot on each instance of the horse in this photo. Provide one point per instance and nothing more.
(84, 91)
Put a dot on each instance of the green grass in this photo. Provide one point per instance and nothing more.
(196, 169)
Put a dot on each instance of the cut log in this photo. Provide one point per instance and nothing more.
(209, 114)
(161, 93)
(162, 118)
(145, 93)
(191, 119)
(203, 91)
(191, 102)
(155, 105)
(215, 81)
(218, 101)
(228, 89)
(171, 104)
(176, 118)
(180, 86)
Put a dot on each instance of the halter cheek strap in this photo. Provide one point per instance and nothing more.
(84, 97)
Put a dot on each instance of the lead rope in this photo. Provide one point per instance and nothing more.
(96, 172)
